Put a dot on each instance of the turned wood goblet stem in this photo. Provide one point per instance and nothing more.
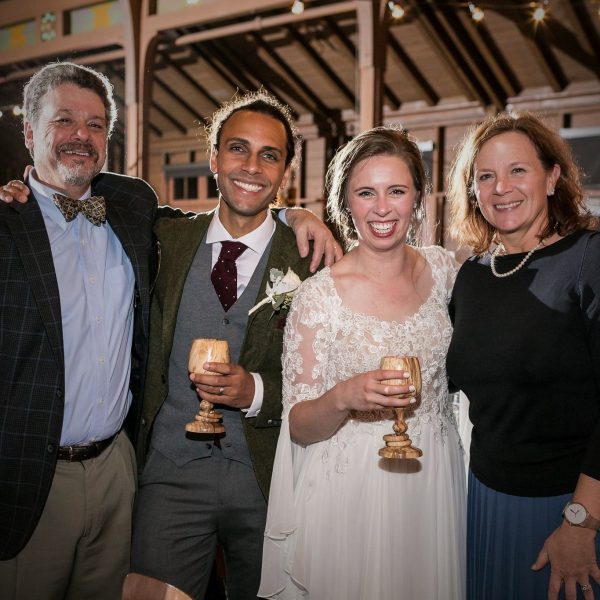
(398, 444)
(203, 350)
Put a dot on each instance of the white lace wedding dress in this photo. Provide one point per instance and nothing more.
(343, 523)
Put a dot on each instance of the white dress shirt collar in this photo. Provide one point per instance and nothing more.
(257, 240)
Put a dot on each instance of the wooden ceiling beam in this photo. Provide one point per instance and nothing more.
(462, 39)
(327, 70)
(448, 52)
(165, 88)
(319, 106)
(220, 53)
(187, 77)
(116, 73)
(236, 64)
(431, 97)
(198, 51)
(160, 110)
(551, 31)
(348, 44)
(585, 23)
(539, 46)
(264, 71)
(488, 41)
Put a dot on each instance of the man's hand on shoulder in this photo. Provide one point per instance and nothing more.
(307, 226)
(14, 190)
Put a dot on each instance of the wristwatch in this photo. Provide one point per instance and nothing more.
(577, 514)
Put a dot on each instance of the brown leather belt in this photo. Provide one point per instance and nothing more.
(79, 453)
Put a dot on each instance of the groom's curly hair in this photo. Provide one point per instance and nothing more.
(259, 102)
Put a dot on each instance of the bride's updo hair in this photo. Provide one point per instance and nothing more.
(386, 141)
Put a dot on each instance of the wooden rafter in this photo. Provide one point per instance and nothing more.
(116, 73)
(200, 52)
(586, 24)
(348, 44)
(342, 87)
(187, 77)
(498, 57)
(427, 90)
(169, 90)
(463, 39)
(539, 46)
(448, 52)
(236, 65)
(264, 71)
(550, 31)
(319, 106)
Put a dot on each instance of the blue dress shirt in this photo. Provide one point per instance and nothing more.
(96, 287)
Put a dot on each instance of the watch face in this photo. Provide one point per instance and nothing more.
(575, 513)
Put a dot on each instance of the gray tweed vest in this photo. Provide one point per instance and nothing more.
(202, 316)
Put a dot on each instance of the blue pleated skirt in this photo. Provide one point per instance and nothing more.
(504, 536)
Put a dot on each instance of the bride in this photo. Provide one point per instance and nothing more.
(343, 523)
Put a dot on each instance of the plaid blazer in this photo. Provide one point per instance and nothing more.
(263, 342)
(32, 377)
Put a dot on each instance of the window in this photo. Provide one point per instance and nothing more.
(584, 142)
(185, 188)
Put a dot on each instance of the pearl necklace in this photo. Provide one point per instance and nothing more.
(499, 249)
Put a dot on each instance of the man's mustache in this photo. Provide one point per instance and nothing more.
(78, 147)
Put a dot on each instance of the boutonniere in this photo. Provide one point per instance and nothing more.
(280, 291)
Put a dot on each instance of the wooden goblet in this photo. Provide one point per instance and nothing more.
(207, 420)
(398, 444)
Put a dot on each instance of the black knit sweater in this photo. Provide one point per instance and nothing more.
(526, 351)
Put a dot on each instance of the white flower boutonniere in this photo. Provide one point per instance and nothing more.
(281, 290)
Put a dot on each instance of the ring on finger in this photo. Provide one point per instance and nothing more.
(221, 389)
(585, 587)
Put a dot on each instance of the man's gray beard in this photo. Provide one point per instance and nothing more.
(76, 175)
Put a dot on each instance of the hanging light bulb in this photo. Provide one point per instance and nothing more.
(477, 13)
(297, 7)
(540, 11)
(17, 110)
(396, 9)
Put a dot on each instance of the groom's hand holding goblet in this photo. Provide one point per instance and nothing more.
(228, 384)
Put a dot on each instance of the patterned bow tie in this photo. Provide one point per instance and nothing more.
(93, 208)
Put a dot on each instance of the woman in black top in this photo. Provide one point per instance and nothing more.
(526, 351)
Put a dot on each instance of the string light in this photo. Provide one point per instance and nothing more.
(297, 7)
(396, 9)
(477, 13)
(17, 110)
(539, 12)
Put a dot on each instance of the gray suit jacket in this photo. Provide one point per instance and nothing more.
(261, 349)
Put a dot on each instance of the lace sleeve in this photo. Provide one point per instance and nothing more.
(305, 343)
(446, 264)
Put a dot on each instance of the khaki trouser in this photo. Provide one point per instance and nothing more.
(80, 547)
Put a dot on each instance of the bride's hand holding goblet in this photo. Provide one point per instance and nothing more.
(373, 390)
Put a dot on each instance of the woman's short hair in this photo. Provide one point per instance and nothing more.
(567, 211)
(379, 141)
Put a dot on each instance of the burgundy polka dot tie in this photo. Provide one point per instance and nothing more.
(224, 273)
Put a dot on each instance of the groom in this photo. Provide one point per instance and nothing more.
(195, 493)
